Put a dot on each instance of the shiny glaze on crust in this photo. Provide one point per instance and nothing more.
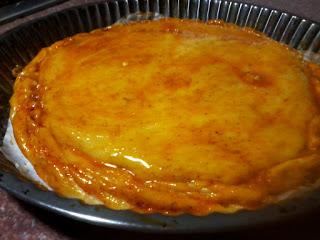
(170, 116)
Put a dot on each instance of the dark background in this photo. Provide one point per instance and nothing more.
(19, 220)
(6, 2)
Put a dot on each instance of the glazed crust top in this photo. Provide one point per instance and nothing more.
(170, 116)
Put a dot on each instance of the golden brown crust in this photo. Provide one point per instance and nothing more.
(170, 116)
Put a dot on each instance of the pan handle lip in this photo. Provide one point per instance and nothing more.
(22, 8)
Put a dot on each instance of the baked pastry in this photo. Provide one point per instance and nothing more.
(170, 116)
